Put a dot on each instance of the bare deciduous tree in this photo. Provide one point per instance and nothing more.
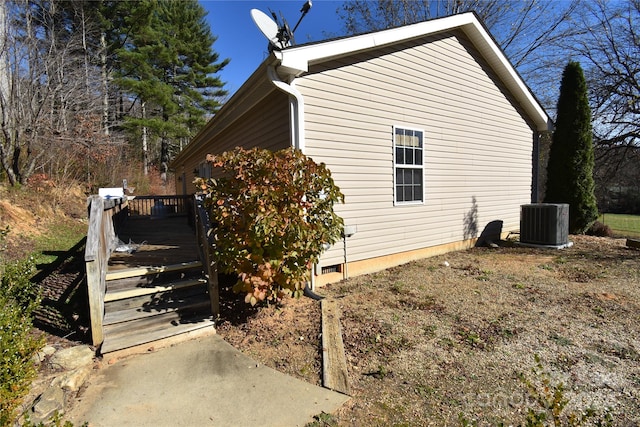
(49, 92)
(609, 48)
(528, 31)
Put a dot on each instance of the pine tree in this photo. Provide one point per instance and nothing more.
(167, 64)
(571, 158)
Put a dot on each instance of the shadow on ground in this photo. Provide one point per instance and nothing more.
(233, 308)
(64, 311)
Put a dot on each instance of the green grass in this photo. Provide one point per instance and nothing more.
(622, 225)
(61, 237)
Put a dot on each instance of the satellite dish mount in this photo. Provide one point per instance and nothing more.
(277, 30)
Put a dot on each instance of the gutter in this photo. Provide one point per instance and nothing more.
(297, 108)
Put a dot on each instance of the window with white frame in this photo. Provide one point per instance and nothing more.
(407, 164)
(204, 170)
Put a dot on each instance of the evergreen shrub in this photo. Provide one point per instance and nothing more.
(18, 343)
(571, 156)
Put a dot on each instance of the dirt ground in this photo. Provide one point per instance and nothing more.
(449, 340)
(480, 337)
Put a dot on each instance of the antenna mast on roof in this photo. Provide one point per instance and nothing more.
(278, 33)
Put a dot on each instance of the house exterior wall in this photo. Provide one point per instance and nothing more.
(266, 125)
(477, 144)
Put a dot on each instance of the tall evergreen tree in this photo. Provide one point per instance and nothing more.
(571, 158)
(167, 65)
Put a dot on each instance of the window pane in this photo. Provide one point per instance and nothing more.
(417, 176)
(415, 158)
(417, 192)
(399, 177)
(400, 156)
(399, 133)
(418, 157)
(408, 176)
(399, 194)
(407, 140)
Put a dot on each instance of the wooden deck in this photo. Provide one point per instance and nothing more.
(159, 242)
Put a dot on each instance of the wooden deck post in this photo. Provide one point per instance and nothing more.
(205, 241)
(93, 261)
(214, 293)
(100, 238)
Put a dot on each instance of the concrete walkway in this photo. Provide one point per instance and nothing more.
(202, 382)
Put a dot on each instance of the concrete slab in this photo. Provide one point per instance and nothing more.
(203, 382)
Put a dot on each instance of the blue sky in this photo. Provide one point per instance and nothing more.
(240, 40)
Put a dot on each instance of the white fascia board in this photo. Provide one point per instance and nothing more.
(296, 60)
(299, 58)
(507, 73)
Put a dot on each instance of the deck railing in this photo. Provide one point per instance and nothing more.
(205, 238)
(105, 216)
(159, 206)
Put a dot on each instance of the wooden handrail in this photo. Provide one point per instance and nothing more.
(101, 239)
(205, 243)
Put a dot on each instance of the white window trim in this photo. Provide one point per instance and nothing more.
(395, 166)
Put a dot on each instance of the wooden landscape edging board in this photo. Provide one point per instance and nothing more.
(334, 362)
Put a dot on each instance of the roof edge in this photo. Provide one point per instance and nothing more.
(296, 60)
(245, 91)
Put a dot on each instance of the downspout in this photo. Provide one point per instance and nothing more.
(296, 102)
(297, 108)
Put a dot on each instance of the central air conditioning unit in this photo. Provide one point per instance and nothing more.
(544, 224)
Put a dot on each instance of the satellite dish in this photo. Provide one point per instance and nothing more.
(266, 26)
(279, 35)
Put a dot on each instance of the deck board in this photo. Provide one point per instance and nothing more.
(161, 331)
(161, 242)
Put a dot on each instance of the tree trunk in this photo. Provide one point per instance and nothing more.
(145, 143)
(104, 75)
(164, 159)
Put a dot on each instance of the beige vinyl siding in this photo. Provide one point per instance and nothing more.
(266, 125)
(477, 145)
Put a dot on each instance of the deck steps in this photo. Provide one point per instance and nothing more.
(151, 290)
(150, 270)
(150, 303)
(145, 301)
(193, 303)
